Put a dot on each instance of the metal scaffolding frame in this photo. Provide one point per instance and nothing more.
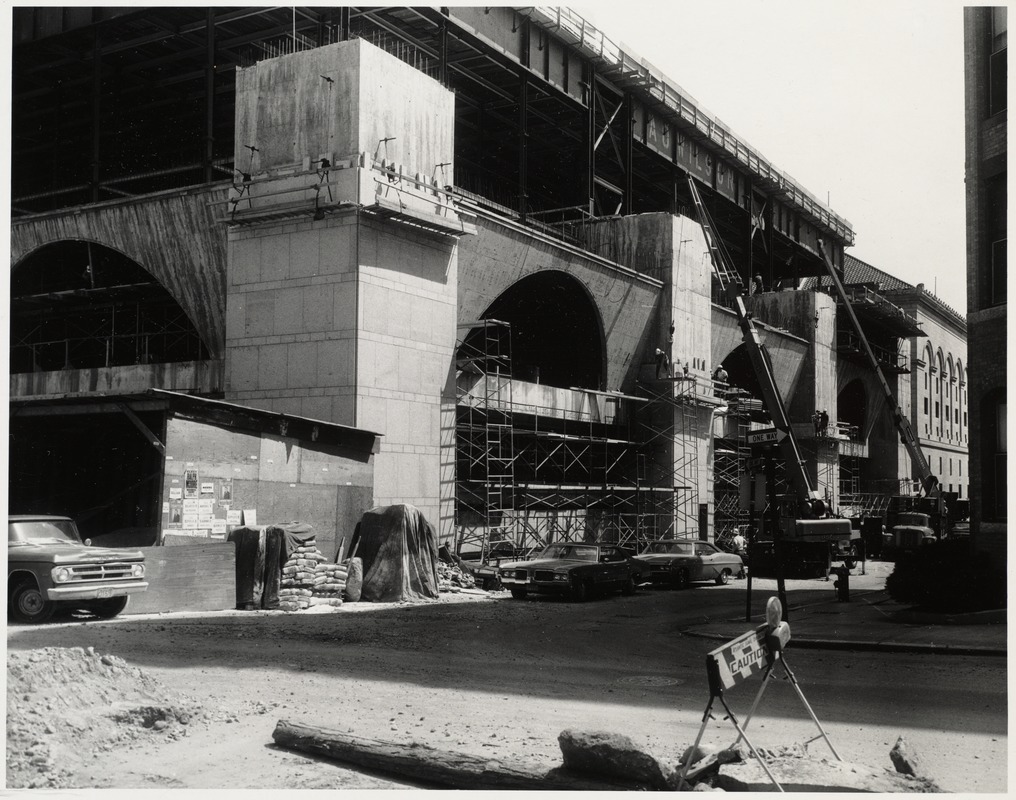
(616, 468)
(731, 457)
(484, 435)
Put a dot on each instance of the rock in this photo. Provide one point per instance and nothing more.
(817, 775)
(610, 755)
(734, 754)
(354, 583)
(904, 759)
(700, 752)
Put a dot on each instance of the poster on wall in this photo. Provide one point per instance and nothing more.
(226, 492)
(207, 487)
(190, 483)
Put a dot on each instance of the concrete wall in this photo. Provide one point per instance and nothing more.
(350, 318)
(281, 479)
(200, 377)
(286, 109)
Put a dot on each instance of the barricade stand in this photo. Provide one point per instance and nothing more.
(757, 651)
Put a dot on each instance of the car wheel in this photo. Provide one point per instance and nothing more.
(681, 579)
(29, 605)
(580, 592)
(628, 587)
(107, 609)
(519, 592)
(723, 578)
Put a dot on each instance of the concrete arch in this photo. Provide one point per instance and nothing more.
(174, 236)
(557, 330)
(83, 305)
(502, 254)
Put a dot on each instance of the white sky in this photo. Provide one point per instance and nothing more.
(861, 101)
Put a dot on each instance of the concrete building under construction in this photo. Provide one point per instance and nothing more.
(449, 257)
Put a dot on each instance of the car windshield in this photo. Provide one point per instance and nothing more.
(669, 548)
(576, 552)
(43, 531)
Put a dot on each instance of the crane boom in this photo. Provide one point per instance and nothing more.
(929, 481)
(809, 499)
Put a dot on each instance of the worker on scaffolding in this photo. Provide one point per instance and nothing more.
(663, 364)
(720, 380)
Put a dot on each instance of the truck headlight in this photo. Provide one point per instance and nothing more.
(61, 575)
(137, 570)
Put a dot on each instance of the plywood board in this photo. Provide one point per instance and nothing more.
(194, 577)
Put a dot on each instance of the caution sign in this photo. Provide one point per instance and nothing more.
(738, 660)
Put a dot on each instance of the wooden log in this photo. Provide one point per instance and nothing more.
(423, 764)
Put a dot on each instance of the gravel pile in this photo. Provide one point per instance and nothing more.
(66, 704)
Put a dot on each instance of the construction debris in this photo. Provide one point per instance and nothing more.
(810, 774)
(421, 763)
(451, 578)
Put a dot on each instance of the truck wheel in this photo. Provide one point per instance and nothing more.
(628, 587)
(29, 605)
(107, 609)
(723, 578)
(519, 592)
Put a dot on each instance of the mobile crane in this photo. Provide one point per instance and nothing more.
(806, 530)
(930, 486)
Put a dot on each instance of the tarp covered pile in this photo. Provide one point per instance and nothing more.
(399, 551)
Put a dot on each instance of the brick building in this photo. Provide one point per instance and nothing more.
(985, 40)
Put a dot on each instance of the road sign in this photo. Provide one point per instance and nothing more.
(766, 436)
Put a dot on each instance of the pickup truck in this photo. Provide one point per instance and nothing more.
(50, 568)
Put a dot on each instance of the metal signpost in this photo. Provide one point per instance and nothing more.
(751, 653)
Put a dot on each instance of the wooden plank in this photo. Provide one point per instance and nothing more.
(194, 577)
(428, 765)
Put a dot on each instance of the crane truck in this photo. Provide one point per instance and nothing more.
(802, 527)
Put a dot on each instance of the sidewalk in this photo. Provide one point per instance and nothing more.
(870, 620)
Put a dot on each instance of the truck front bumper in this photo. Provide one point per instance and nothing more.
(94, 591)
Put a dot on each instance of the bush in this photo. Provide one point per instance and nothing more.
(947, 577)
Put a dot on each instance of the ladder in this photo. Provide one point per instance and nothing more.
(722, 262)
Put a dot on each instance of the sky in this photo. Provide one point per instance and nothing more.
(861, 101)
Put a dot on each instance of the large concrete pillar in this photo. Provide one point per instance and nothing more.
(342, 273)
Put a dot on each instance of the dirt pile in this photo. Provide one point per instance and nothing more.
(64, 705)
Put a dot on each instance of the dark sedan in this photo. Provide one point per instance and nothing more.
(574, 569)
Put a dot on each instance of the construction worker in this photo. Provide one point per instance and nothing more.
(756, 285)
(720, 379)
(823, 421)
(662, 364)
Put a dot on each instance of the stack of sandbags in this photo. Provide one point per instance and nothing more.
(329, 584)
(309, 580)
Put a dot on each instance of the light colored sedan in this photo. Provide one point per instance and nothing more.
(678, 562)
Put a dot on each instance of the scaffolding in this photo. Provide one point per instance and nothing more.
(668, 476)
(484, 436)
(731, 458)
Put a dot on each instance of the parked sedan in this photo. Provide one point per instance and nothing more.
(678, 562)
(575, 569)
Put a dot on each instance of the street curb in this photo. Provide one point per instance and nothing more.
(879, 647)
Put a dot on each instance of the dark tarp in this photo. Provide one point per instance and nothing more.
(261, 552)
(399, 551)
